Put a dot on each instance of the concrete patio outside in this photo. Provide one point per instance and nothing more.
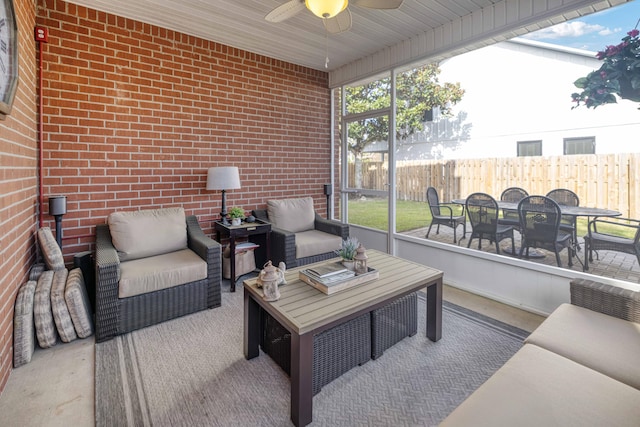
(611, 264)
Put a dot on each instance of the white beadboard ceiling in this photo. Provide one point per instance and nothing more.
(301, 39)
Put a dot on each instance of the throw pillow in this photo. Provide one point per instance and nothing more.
(75, 295)
(148, 233)
(50, 249)
(293, 215)
(24, 341)
(45, 328)
(59, 307)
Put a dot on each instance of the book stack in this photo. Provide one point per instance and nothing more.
(327, 274)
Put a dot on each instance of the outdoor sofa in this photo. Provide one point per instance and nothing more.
(151, 266)
(578, 368)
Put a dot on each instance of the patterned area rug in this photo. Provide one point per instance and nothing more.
(191, 371)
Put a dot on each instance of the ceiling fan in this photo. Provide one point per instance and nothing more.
(334, 13)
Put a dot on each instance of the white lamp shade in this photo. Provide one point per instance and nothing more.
(223, 178)
(326, 8)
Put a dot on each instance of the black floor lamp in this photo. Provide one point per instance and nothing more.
(57, 208)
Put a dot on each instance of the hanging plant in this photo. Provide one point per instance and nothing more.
(619, 75)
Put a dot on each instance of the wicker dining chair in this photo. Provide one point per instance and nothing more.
(540, 219)
(482, 210)
(563, 196)
(510, 216)
(443, 214)
(612, 236)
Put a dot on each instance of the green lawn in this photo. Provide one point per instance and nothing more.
(411, 215)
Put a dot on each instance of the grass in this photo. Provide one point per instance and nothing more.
(410, 215)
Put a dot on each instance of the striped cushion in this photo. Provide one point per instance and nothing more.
(77, 300)
(59, 307)
(45, 328)
(23, 337)
(50, 249)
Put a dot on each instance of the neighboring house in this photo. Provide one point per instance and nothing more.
(518, 102)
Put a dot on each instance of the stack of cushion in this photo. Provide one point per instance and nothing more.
(54, 303)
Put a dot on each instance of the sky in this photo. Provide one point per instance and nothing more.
(593, 32)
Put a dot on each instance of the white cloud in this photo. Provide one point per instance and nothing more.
(568, 29)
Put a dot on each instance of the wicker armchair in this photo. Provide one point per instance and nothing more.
(482, 210)
(116, 315)
(540, 220)
(316, 240)
(612, 237)
(442, 214)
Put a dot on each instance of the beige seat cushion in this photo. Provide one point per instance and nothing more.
(160, 272)
(51, 252)
(75, 294)
(539, 388)
(293, 215)
(148, 233)
(604, 343)
(59, 308)
(23, 329)
(314, 242)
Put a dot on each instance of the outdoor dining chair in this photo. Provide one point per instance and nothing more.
(443, 214)
(510, 216)
(540, 219)
(482, 210)
(612, 234)
(563, 196)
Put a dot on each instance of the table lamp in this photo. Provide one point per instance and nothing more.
(57, 208)
(223, 178)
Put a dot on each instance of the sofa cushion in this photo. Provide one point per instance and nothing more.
(537, 387)
(314, 242)
(50, 249)
(24, 340)
(293, 215)
(59, 307)
(43, 317)
(601, 342)
(75, 294)
(160, 272)
(136, 234)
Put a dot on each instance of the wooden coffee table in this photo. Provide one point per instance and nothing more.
(304, 312)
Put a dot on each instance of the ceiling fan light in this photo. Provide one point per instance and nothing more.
(326, 8)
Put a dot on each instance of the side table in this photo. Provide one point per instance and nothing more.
(259, 228)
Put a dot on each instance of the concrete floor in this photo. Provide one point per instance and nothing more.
(57, 387)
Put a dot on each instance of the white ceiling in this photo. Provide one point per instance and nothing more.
(301, 39)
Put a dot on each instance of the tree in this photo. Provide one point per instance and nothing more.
(417, 92)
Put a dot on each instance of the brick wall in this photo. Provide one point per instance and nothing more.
(18, 186)
(136, 114)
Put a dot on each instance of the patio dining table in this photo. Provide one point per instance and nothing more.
(564, 209)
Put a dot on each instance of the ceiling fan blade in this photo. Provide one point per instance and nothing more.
(378, 4)
(339, 23)
(285, 11)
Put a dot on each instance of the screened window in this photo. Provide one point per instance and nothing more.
(529, 148)
(586, 145)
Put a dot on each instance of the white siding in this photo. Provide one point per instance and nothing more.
(521, 91)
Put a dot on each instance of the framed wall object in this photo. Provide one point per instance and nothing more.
(8, 56)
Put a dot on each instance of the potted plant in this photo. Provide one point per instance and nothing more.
(237, 215)
(348, 251)
(619, 75)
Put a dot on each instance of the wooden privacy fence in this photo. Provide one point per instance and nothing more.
(607, 181)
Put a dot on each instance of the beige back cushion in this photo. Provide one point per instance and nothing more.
(292, 214)
(147, 233)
